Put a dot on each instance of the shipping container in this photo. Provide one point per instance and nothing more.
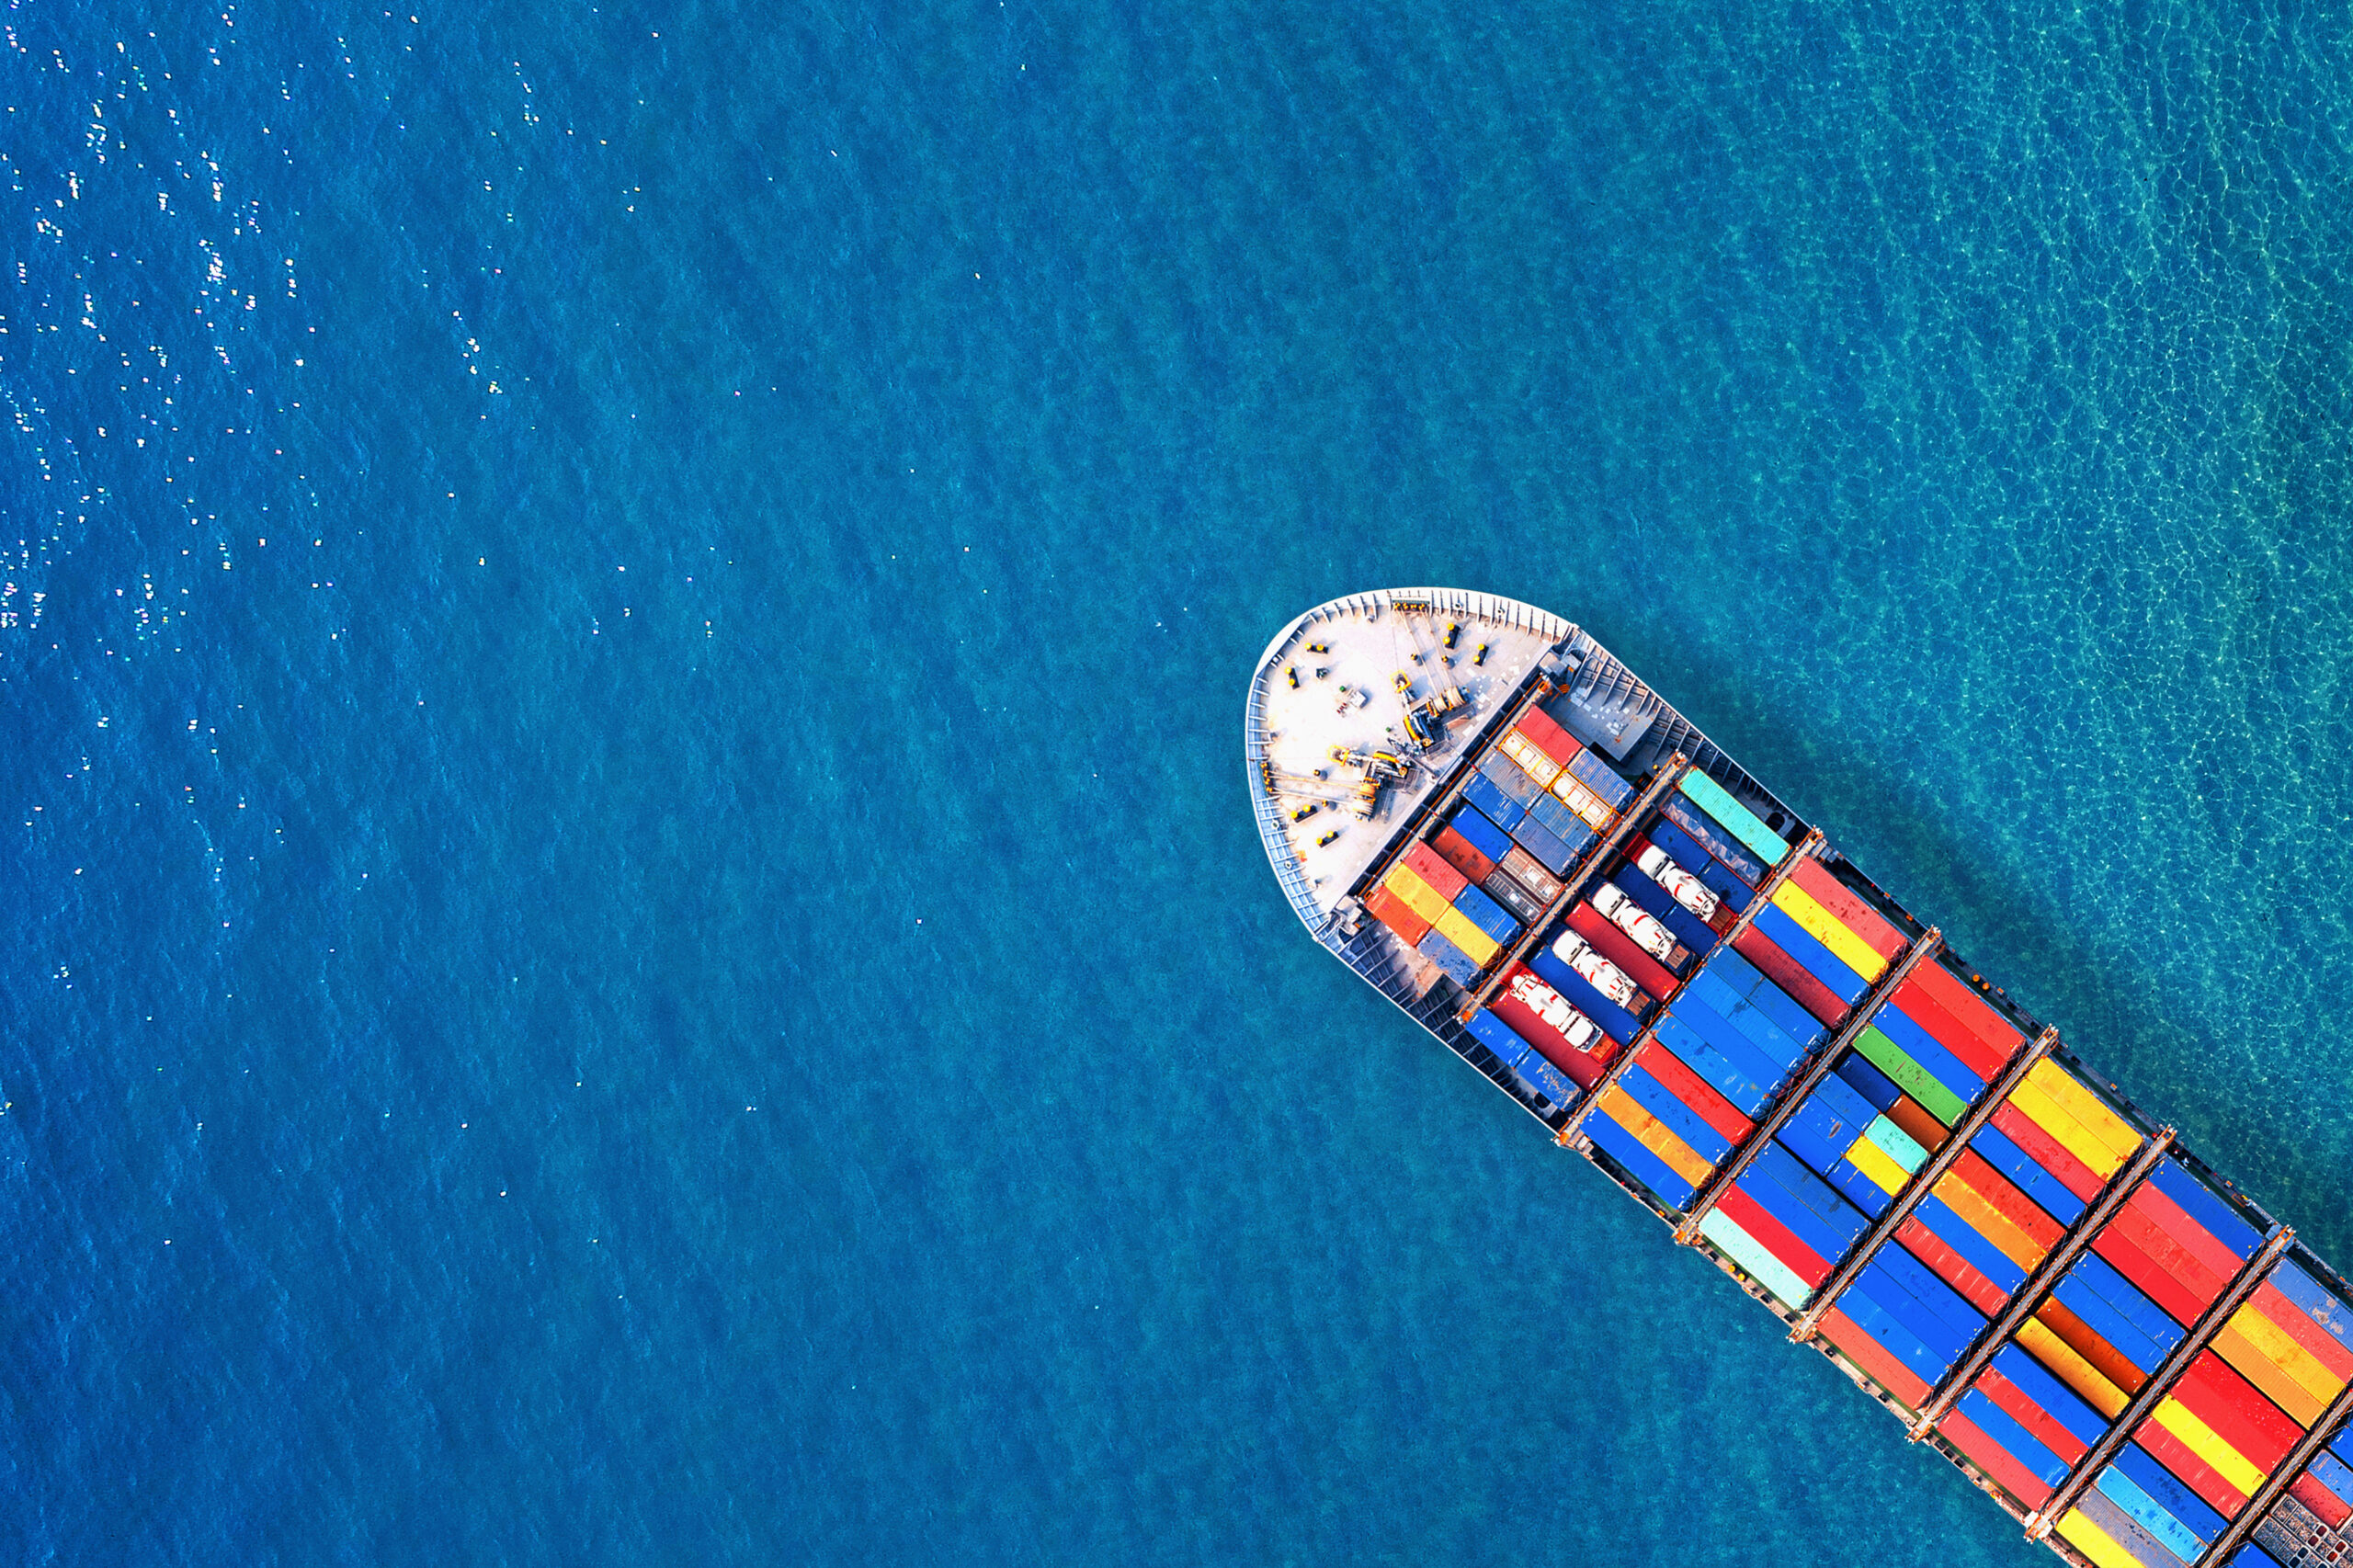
(1648, 1172)
(1741, 980)
(1818, 960)
(1557, 743)
(1966, 1046)
(1580, 801)
(1922, 1048)
(1757, 1260)
(1601, 779)
(1565, 824)
(1448, 957)
(1545, 844)
(1851, 951)
(1508, 892)
(1848, 907)
(2048, 1193)
(1619, 1109)
(1644, 1087)
(2018, 1464)
(1530, 758)
(1529, 873)
(1716, 1012)
(1456, 852)
(1410, 888)
(1736, 1070)
(1486, 914)
(1393, 912)
(1788, 976)
(1696, 1092)
(2103, 1531)
(1962, 1002)
(1735, 818)
(1855, 1340)
(1493, 803)
(1482, 833)
(1426, 864)
(1475, 944)
(1721, 846)
(1510, 777)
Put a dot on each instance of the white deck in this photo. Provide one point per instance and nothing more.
(1371, 643)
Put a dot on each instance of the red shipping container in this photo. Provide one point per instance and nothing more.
(2189, 1470)
(1547, 737)
(1619, 949)
(1951, 1268)
(2273, 1303)
(2019, 1406)
(2193, 1238)
(2004, 1197)
(1871, 1357)
(2046, 1152)
(1790, 975)
(1456, 852)
(2333, 1510)
(1967, 1049)
(1847, 908)
(1584, 1067)
(1969, 1010)
(1390, 911)
(2212, 1390)
(1696, 1092)
(1443, 879)
(1773, 1236)
(2152, 1260)
(1993, 1460)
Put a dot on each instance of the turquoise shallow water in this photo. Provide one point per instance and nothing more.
(667, 963)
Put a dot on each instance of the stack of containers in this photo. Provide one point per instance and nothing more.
(1902, 1325)
(2241, 1404)
(1514, 879)
(2326, 1485)
(1511, 789)
(2022, 1427)
(1464, 929)
(1715, 1058)
(1543, 1081)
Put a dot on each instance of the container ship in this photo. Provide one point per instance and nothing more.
(1506, 832)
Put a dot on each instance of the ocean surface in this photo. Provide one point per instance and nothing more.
(635, 932)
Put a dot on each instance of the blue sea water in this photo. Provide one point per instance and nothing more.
(638, 938)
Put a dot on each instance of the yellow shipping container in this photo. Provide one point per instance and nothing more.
(1828, 930)
(2290, 1376)
(2207, 1444)
(1654, 1135)
(2085, 1107)
(1879, 1165)
(2094, 1542)
(2054, 1118)
(2071, 1368)
(1476, 945)
(1416, 895)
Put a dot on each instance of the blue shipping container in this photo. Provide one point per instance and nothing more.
(1737, 1082)
(2058, 1401)
(1545, 844)
(1498, 1037)
(1596, 775)
(1493, 803)
(1812, 956)
(1774, 1053)
(2204, 1205)
(1679, 1118)
(1482, 833)
(1510, 777)
(1645, 1168)
(1741, 977)
(1867, 1080)
(1929, 1052)
(2016, 1440)
(1549, 1082)
(1566, 824)
(1485, 914)
(1970, 1242)
(1450, 958)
